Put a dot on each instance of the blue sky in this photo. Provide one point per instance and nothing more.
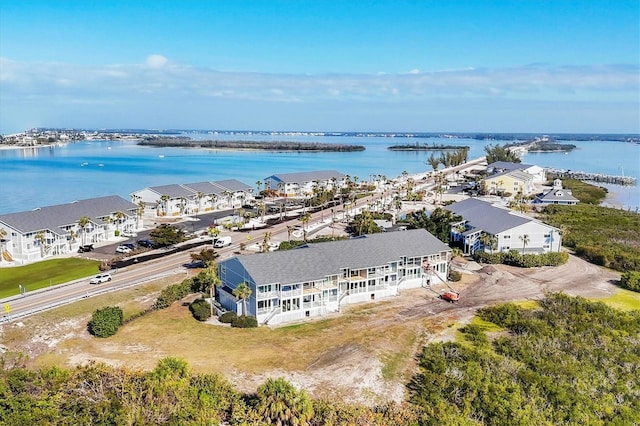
(432, 66)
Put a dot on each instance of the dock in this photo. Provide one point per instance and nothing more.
(593, 177)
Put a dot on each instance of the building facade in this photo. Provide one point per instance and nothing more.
(317, 279)
(191, 198)
(302, 184)
(496, 229)
(54, 230)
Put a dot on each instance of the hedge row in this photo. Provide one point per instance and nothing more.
(514, 258)
(174, 293)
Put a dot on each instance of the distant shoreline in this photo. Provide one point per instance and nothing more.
(250, 145)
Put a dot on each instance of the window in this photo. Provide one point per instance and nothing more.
(506, 237)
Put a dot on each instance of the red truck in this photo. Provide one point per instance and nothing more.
(450, 296)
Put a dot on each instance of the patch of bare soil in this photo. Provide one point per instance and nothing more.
(353, 371)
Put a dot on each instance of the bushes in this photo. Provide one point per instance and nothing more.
(173, 293)
(454, 275)
(631, 281)
(200, 309)
(227, 317)
(244, 321)
(515, 258)
(106, 321)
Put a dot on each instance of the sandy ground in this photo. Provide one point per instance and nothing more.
(353, 372)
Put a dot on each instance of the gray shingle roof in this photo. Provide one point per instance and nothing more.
(173, 190)
(307, 176)
(232, 185)
(54, 217)
(206, 188)
(483, 216)
(560, 195)
(318, 260)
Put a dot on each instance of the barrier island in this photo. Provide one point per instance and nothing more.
(254, 145)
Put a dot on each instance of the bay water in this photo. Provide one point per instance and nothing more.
(36, 177)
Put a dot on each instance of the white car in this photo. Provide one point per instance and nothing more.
(123, 250)
(100, 278)
(129, 234)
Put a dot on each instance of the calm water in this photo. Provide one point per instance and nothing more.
(31, 178)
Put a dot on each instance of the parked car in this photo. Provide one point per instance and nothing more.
(145, 243)
(129, 234)
(195, 264)
(84, 248)
(100, 278)
(123, 249)
(130, 245)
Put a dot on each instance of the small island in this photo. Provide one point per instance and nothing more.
(180, 142)
(426, 147)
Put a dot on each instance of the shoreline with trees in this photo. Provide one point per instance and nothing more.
(250, 145)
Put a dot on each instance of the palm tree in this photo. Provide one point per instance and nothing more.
(182, 205)
(41, 238)
(305, 220)
(83, 222)
(213, 279)
(265, 242)
(139, 212)
(433, 161)
(119, 216)
(289, 232)
(164, 202)
(525, 240)
(259, 185)
(282, 404)
(3, 233)
(199, 197)
(243, 292)
(228, 195)
(72, 237)
(212, 199)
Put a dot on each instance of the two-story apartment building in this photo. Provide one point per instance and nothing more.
(505, 229)
(59, 229)
(317, 279)
(510, 182)
(301, 184)
(192, 198)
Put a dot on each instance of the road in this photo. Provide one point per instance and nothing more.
(171, 265)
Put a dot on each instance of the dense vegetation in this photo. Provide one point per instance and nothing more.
(585, 192)
(569, 362)
(438, 223)
(166, 235)
(601, 235)
(527, 260)
(263, 146)
(501, 153)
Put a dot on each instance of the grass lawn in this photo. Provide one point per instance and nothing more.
(43, 274)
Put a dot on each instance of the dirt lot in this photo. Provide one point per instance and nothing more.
(364, 354)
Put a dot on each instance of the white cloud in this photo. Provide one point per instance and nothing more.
(156, 61)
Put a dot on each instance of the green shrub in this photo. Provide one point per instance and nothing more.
(106, 321)
(227, 317)
(244, 321)
(174, 293)
(515, 258)
(200, 309)
(631, 280)
(454, 275)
